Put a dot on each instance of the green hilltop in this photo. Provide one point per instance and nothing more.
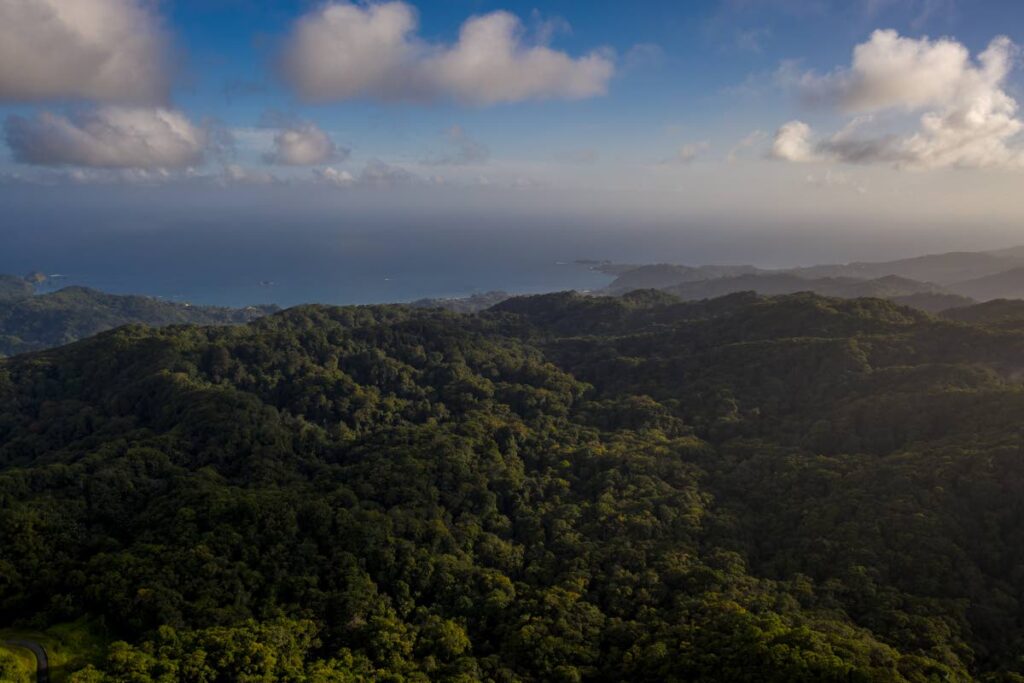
(32, 322)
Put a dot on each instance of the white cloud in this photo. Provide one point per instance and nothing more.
(343, 51)
(463, 149)
(333, 176)
(375, 175)
(967, 119)
(890, 71)
(793, 143)
(109, 137)
(104, 176)
(304, 145)
(104, 50)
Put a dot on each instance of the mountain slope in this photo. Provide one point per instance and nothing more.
(933, 302)
(661, 276)
(943, 269)
(1007, 312)
(887, 287)
(1008, 284)
(34, 322)
(562, 488)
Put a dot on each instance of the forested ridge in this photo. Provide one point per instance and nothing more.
(562, 488)
(33, 322)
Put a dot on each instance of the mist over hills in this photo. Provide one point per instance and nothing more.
(1006, 284)
(932, 282)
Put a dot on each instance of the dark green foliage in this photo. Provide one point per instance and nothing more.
(1003, 312)
(563, 488)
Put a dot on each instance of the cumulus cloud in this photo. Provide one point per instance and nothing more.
(463, 149)
(109, 137)
(343, 51)
(304, 144)
(792, 142)
(890, 71)
(104, 50)
(967, 119)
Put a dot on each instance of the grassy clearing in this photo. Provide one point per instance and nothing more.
(17, 665)
(69, 647)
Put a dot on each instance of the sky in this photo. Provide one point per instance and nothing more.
(849, 122)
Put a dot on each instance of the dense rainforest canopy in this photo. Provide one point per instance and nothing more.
(562, 488)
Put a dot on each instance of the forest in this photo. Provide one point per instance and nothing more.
(31, 321)
(559, 488)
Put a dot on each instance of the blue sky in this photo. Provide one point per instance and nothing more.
(717, 107)
(683, 67)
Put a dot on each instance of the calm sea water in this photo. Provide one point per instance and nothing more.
(225, 264)
(348, 281)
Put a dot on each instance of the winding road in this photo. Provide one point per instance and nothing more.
(42, 662)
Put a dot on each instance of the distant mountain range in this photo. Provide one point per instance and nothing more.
(933, 282)
(31, 322)
(937, 283)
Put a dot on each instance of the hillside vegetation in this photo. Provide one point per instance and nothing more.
(30, 322)
(563, 488)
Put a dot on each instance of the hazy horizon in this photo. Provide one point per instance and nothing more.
(206, 250)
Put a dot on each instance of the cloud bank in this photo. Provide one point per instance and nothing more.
(103, 50)
(109, 137)
(375, 174)
(344, 51)
(304, 145)
(967, 118)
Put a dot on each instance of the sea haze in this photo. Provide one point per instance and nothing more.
(254, 249)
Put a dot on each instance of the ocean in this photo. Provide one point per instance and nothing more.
(231, 263)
